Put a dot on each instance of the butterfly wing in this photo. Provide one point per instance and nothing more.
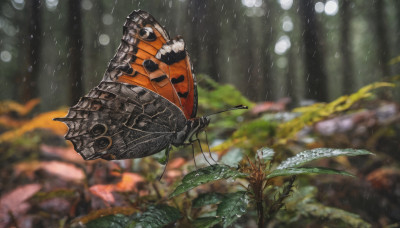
(147, 57)
(118, 121)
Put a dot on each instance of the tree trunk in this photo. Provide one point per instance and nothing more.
(316, 78)
(382, 39)
(348, 79)
(268, 84)
(212, 40)
(75, 53)
(198, 25)
(30, 87)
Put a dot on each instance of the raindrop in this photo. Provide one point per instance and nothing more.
(286, 4)
(104, 39)
(18, 4)
(51, 4)
(87, 4)
(331, 7)
(282, 62)
(319, 7)
(5, 56)
(107, 19)
(282, 45)
(287, 24)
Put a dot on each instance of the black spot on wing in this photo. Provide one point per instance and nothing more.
(179, 79)
(150, 65)
(184, 95)
(133, 59)
(172, 57)
(126, 68)
(159, 79)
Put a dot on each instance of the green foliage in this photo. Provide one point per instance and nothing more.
(233, 205)
(205, 175)
(214, 97)
(117, 221)
(318, 153)
(156, 216)
(259, 130)
(207, 199)
(305, 170)
(319, 111)
(302, 205)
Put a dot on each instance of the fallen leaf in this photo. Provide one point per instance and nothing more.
(63, 170)
(384, 178)
(176, 163)
(66, 153)
(14, 202)
(104, 192)
(104, 212)
(128, 182)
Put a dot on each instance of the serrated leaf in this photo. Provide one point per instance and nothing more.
(266, 154)
(306, 170)
(233, 157)
(318, 210)
(157, 216)
(233, 207)
(206, 222)
(207, 199)
(310, 155)
(117, 221)
(205, 175)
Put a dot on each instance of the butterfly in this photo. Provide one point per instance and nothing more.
(146, 101)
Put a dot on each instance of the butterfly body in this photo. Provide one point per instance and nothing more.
(146, 101)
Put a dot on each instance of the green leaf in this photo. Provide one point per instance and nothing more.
(117, 221)
(233, 207)
(205, 175)
(266, 154)
(318, 210)
(157, 216)
(206, 222)
(306, 170)
(207, 199)
(310, 155)
(233, 157)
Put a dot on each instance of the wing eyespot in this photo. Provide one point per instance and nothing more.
(98, 130)
(102, 143)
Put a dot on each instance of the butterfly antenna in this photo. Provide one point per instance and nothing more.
(229, 109)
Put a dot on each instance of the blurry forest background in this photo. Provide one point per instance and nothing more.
(305, 50)
(270, 50)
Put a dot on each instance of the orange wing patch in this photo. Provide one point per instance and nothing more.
(148, 58)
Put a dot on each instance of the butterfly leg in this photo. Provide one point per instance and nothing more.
(201, 149)
(166, 161)
(209, 151)
(194, 159)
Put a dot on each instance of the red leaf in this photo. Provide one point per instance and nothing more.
(14, 202)
(128, 182)
(66, 153)
(63, 170)
(104, 192)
